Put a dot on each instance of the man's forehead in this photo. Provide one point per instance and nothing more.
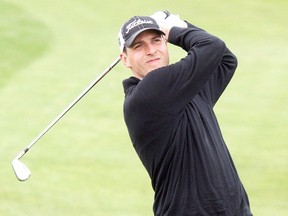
(148, 33)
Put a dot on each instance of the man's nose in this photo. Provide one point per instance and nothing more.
(150, 49)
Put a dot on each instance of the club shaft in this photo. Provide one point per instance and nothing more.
(83, 93)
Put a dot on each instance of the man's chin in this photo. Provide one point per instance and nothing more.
(156, 67)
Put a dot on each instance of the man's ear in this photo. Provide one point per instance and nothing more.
(125, 60)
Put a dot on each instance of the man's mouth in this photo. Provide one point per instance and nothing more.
(153, 60)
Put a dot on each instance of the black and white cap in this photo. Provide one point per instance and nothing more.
(133, 27)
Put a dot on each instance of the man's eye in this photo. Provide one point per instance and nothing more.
(136, 46)
(157, 40)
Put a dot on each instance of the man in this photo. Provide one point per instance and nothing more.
(168, 111)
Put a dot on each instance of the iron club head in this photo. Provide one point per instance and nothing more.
(21, 171)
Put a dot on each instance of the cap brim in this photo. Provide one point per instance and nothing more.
(129, 42)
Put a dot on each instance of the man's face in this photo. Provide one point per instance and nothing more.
(148, 52)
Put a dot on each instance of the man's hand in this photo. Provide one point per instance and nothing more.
(166, 21)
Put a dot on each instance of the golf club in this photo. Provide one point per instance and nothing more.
(21, 171)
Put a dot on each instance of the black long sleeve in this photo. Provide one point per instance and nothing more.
(170, 118)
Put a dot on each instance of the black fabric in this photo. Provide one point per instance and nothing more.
(170, 119)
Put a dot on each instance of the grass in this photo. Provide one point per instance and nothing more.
(85, 165)
(17, 23)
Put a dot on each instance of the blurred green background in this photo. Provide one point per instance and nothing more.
(85, 165)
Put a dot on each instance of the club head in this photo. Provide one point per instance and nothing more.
(21, 171)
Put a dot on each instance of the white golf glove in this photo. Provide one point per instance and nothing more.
(166, 21)
(160, 15)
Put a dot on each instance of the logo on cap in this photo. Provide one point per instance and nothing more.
(134, 27)
(136, 23)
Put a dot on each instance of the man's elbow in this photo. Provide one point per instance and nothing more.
(230, 60)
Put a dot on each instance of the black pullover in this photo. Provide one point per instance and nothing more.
(170, 119)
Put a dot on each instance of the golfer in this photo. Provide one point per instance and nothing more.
(168, 110)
